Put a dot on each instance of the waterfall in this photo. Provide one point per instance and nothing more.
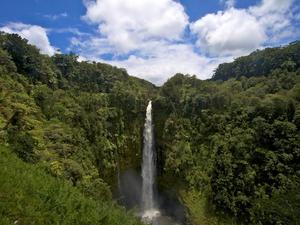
(148, 168)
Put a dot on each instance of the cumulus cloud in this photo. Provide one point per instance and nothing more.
(155, 61)
(144, 36)
(127, 24)
(240, 31)
(275, 16)
(149, 37)
(36, 35)
(167, 60)
(231, 32)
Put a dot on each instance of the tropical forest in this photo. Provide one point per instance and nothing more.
(150, 112)
(225, 150)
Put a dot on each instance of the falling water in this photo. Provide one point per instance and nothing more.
(148, 169)
(150, 212)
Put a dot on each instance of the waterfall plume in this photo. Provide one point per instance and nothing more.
(148, 168)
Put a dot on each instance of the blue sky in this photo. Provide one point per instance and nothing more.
(154, 39)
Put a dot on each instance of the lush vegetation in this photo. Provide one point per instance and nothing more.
(29, 196)
(82, 121)
(262, 63)
(228, 148)
(233, 147)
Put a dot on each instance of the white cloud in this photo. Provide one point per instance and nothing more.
(240, 31)
(271, 6)
(275, 16)
(149, 37)
(36, 35)
(297, 16)
(155, 61)
(228, 3)
(127, 24)
(56, 16)
(71, 30)
(91, 47)
(143, 35)
(232, 32)
(175, 59)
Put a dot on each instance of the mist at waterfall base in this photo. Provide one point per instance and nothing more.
(138, 189)
(131, 192)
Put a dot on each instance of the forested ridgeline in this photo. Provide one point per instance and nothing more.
(228, 148)
(262, 63)
(231, 148)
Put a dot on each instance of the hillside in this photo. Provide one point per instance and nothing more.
(262, 63)
(231, 148)
(82, 121)
(30, 196)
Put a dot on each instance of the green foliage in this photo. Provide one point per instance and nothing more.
(28, 59)
(264, 62)
(22, 144)
(229, 149)
(7, 62)
(79, 119)
(199, 211)
(30, 196)
(237, 141)
(281, 208)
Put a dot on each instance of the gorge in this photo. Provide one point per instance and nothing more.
(72, 132)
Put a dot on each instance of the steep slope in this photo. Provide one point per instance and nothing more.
(230, 150)
(30, 196)
(82, 120)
